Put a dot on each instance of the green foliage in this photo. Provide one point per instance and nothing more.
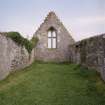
(53, 84)
(28, 45)
(15, 36)
(34, 41)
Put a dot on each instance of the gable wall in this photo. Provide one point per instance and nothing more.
(63, 41)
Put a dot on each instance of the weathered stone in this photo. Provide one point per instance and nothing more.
(12, 56)
(59, 54)
(91, 53)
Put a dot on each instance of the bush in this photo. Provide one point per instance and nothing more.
(28, 45)
(15, 36)
(34, 41)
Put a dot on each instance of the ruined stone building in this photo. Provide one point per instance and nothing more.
(54, 40)
(55, 44)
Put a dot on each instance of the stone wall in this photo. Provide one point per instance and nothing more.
(91, 53)
(59, 54)
(12, 56)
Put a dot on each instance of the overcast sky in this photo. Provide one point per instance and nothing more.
(82, 18)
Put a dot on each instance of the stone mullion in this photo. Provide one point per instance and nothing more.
(51, 39)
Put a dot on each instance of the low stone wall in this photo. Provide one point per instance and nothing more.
(12, 56)
(91, 53)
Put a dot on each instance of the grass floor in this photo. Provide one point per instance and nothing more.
(53, 84)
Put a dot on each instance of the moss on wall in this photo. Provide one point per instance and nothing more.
(17, 37)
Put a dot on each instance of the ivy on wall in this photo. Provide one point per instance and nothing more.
(17, 37)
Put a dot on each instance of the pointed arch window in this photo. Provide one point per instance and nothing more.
(52, 38)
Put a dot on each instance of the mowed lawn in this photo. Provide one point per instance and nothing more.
(53, 84)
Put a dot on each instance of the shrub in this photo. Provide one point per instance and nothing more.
(34, 41)
(15, 36)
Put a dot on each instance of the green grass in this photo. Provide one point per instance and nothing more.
(53, 84)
